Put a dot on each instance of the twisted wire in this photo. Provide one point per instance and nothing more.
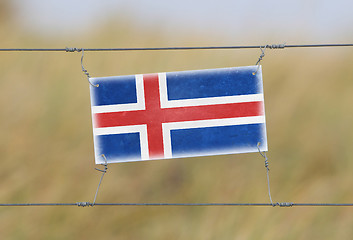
(263, 154)
(82, 67)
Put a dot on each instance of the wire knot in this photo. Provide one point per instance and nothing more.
(263, 154)
(84, 204)
(68, 49)
(267, 164)
(283, 204)
(276, 46)
(105, 165)
(261, 55)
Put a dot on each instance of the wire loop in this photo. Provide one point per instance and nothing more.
(263, 154)
(83, 69)
(262, 55)
(103, 172)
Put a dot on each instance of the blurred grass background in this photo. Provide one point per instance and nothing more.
(47, 148)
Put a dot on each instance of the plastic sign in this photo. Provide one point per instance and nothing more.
(178, 114)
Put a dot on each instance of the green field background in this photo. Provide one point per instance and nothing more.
(47, 149)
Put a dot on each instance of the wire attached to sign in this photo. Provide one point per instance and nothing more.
(68, 49)
(103, 172)
(263, 154)
(263, 49)
(85, 71)
(260, 59)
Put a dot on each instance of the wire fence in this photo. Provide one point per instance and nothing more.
(262, 47)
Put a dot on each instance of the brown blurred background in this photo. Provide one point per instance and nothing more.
(47, 150)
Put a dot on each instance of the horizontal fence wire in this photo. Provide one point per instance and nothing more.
(88, 204)
(271, 46)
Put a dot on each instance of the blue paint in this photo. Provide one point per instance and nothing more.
(114, 90)
(123, 146)
(213, 83)
(210, 139)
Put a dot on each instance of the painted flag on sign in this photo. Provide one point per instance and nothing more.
(178, 114)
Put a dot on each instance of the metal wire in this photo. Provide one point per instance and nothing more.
(82, 67)
(103, 172)
(88, 204)
(260, 59)
(270, 46)
(35, 204)
(263, 154)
